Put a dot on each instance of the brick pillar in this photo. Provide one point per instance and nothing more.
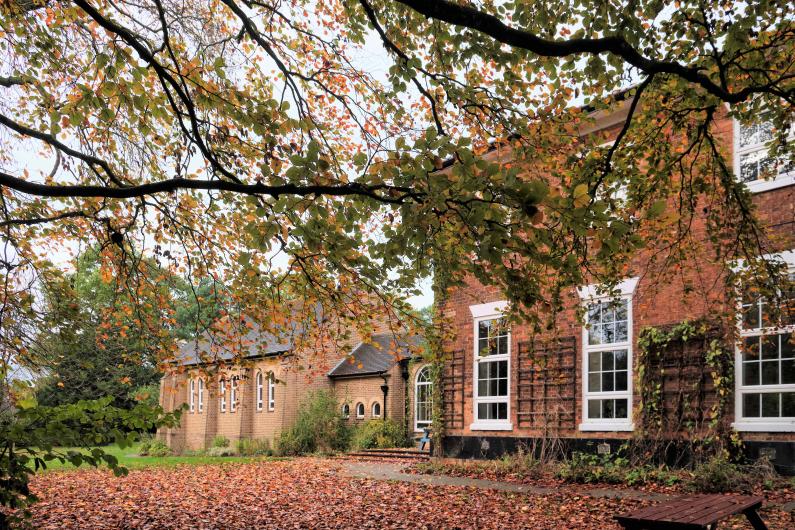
(173, 394)
(246, 406)
(211, 412)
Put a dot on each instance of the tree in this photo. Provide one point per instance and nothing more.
(241, 142)
(245, 138)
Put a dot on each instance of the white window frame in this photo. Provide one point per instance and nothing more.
(201, 395)
(271, 393)
(192, 395)
(758, 186)
(222, 394)
(233, 394)
(346, 411)
(360, 405)
(742, 424)
(259, 391)
(589, 294)
(417, 384)
(372, 409)
(481, 312)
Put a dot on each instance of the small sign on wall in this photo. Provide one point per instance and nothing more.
(603, 449)
(767, 452)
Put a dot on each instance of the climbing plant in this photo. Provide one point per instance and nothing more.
(685, 385)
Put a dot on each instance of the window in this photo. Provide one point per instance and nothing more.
(259, 391)
(233, 394)
(607, 359)
(201, 395)
(360, 410)
(752, 162)
(222, 394)
(376, 410)
(346, 411)
(271, 393)
(192, 395)
(765, 360)
(491, 368)
(423, 399)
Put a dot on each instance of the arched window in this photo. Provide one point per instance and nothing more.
(376, 410)
(360, 410)
(271, 393)
(233, 394)
(201, 395)
(423, 399)
(259, 393)
(222, 394)
(346, 411)
(192, 395)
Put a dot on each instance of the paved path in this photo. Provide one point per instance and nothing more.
(394, 471)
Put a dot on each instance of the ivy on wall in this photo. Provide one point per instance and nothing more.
(685, 382)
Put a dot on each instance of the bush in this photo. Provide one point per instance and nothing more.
(254, 447)
(380, 434)
(145, 447)
(319, 427)
(220, 441)
(584, 468)
(220, 451)
(158, 448)
(717, 475)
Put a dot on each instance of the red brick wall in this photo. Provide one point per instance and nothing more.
(661, 298)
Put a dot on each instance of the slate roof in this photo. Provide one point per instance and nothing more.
(254, 344)
(368, 359)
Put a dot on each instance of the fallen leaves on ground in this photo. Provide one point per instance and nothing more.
(301, 493)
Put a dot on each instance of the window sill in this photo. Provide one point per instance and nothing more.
(607, 427)
(486, 426)
(758, 186)
(768, 426)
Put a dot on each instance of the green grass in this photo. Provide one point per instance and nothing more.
(129, 458)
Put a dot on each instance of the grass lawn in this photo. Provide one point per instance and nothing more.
(129, 458)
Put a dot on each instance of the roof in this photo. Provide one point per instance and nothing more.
(255, 343)
(376, 356)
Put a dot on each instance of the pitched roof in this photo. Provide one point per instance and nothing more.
(376, 356)
(255, 343)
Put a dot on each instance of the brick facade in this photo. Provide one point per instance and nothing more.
(198, 428)
(660, 299)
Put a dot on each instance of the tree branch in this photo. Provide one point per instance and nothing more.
(488, 24)
(171, 185)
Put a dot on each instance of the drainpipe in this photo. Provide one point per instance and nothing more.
(385, 390)
(404, 374)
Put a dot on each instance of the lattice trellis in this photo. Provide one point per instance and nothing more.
(547, 385)
(453, 379)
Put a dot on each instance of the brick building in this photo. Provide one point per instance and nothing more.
(260, 397)
(504, 386)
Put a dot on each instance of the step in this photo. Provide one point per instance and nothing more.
(389, 454)
(396, 451)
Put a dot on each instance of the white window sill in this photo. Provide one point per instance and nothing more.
(606, 427)
(486, 426)
(758, 186)
(766, 426)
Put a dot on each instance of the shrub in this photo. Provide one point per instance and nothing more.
(254, 447)
(380, 434)
(319, 427)
(220, 451)
(159, 448)
(585, 468)
(220, 441)
(145, 447)
(717, 475)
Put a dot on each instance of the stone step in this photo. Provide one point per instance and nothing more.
(413, 455)
(396, 451)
